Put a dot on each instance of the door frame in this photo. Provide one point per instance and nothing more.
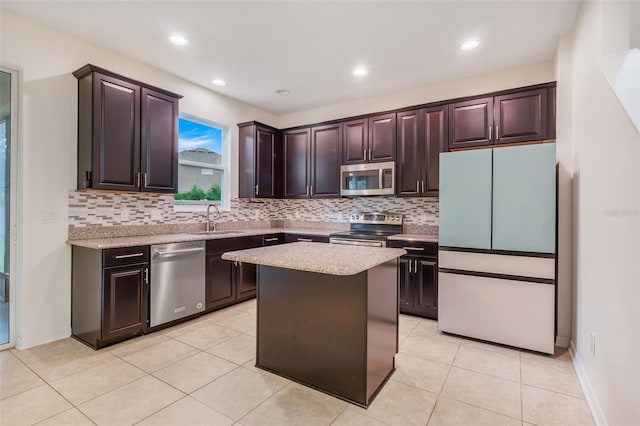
(15, 199)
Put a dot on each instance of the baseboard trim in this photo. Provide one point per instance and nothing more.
(22, 343)
(589, 395)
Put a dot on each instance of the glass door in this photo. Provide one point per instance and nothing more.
(8, 127)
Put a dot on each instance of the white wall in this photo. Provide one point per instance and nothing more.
(601, 147)
(506, 79)
(48, 157)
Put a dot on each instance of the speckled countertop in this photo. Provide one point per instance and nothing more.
(423, 238)
(144, 240)
(323, 258)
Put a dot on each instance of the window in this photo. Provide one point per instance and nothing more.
(201, 162)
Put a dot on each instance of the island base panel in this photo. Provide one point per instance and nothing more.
(334, 333)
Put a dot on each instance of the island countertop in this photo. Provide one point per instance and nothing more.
(334, 259)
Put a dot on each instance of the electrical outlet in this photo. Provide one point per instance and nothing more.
(48, 216)
(156, 214)
(593, 343)
(423, 217)
(297, 215)
(124, 215)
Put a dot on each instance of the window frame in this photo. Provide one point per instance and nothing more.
(224, 167)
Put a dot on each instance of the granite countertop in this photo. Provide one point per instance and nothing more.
(423, 238)
(144, 240)
(323, 258)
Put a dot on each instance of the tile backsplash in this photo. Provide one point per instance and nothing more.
(97, 208)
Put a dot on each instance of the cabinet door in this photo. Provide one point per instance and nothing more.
(382, 138)
(409, 153)
(265, 163)
(116, 134)
(425, 300)
(471, 123)
(246, 280)
(524, 198)
(124, 301)
(247, 161)
(296, 164)
(465, 199)
(326, 160)
(220, 287)
(405, 288)
(159, 135)
(436, 132)
(521, 116)
(355, 141)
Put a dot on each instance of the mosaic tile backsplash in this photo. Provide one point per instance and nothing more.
(92, 208)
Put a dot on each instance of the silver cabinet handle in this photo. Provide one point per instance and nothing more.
(146, 275)
(307, 190)
(409, 265)
(256, 189)
(417, 187)
(126, 256)
(497, 132)
(309, 240)
(138, 179)
(369, 155)
(311, 190)
(415, 267)
(271, 239)
(413, 248)
(359, 243)
(364, 155)
(145, 180)
(423, 187)
(490, 129)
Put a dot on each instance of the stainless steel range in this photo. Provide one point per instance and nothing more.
(369, 229)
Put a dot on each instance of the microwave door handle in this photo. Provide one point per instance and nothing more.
(380, 177)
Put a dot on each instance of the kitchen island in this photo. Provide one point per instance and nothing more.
(327, 315)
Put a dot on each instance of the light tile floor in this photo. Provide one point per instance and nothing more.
(202, 373)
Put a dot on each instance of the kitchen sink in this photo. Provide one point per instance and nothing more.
(217, 232)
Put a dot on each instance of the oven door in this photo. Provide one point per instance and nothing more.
(354, 242)
(368, 179)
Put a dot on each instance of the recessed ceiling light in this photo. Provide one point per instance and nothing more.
(360, 71)
(470, 44)
(178, 39)
(282, 92)
(219, 82)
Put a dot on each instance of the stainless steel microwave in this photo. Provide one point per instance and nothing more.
(368, 179)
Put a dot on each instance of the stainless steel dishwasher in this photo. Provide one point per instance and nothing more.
(177, 281)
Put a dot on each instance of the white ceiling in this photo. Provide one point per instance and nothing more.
(311, 48)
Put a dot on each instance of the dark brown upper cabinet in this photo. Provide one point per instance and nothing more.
(369, 140)
(509, 118)
(421, 137)
(312, 159)
(127, 133)
(260, 152)
(471, 123)
(521, 117)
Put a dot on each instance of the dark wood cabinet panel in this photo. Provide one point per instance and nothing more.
(405, 289)
(436, 136)
(220, 287)
(426, 290)
(125, 301)
(116, 134)
(259, 152)
(355, 141)
(296, 147)
(246, 281)
(409, 156)
(471, 123)
(127, 133)
(326, 160)
(382, 138)
(521, 117)
(159, 142)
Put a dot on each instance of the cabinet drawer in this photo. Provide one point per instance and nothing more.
(125, 256)
(294, 238)
(231, 244)
(416, 248)
(272, 239)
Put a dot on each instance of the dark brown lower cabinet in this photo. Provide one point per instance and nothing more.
(229, 282)
(109, 294)
(418, 279)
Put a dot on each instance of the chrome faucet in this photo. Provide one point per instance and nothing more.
(209, 217)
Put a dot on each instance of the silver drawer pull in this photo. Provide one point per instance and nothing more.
(126, 256)
(305, 239)
(271, 239)
(413, 248)
(172, 252)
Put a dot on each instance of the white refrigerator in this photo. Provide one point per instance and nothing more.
(497, 245)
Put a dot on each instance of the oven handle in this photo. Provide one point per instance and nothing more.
(361, 243)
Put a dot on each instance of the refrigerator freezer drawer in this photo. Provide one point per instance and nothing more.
(522, 266)
(515, 313)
